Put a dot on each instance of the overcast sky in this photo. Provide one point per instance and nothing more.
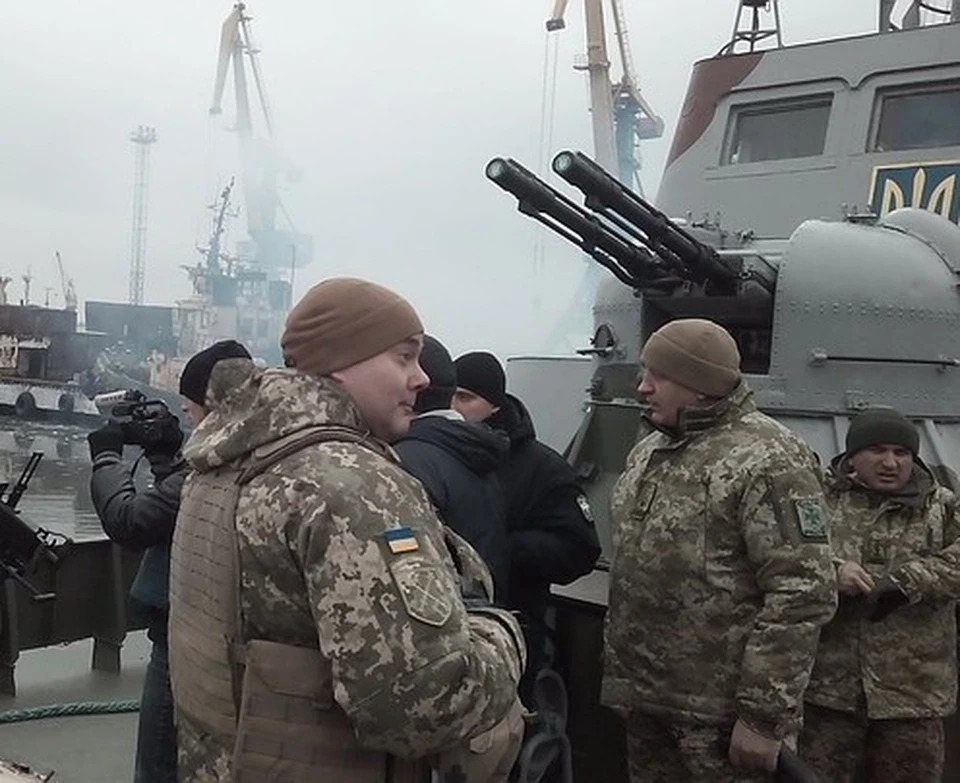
(390, 110)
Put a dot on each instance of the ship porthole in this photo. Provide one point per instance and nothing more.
(65, 403)
(25, 404)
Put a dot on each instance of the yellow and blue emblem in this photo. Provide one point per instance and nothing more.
(400, 540)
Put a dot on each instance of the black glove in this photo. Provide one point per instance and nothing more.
(886, 597)
(108, 438)
(170, 441)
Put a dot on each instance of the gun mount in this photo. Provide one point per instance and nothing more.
(21, 546)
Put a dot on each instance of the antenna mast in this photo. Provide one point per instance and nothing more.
(142, 137)
(756, 32)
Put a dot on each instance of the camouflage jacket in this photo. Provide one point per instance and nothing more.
(904, 666)
(721, 573)
(413, 671)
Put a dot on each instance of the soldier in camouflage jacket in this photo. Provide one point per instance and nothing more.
(340, 562)
(886, 670)
(721, 575)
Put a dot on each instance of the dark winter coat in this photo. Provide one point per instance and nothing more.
(552, 536)
(141, 520)
(456, 463)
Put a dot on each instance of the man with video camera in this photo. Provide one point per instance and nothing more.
(144, 520)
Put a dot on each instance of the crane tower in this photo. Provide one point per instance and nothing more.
(621, 119)
(142, 138)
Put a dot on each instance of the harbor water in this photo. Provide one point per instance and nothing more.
(58, 496)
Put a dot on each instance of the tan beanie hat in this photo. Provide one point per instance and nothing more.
(343, 321)
(695, 353)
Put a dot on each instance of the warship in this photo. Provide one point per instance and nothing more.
(809, 205)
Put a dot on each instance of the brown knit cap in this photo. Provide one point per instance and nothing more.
(695, 353)
(343, 321)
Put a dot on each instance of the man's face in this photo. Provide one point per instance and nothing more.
(384, 387)
(195, 412)
(472, 406)
(884, 467)
(665, 398)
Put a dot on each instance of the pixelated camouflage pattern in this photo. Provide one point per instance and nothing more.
(199, 758)
(316, 570)
(904, 666)
(717, 592)
(844, 747)
(660, 750)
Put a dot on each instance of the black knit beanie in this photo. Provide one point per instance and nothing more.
(882, 425)
(436, 362)
(482, 373)
(196, 372)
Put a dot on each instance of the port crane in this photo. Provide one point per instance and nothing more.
(621, 119)
(621, 116)
(260, 163)
(27, 278)
(66, 286)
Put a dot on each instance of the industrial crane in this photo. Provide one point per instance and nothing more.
(621, 116)
(27, 278)
(259, 160)
(66, 286)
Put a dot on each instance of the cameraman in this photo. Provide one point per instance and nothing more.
(144, 520)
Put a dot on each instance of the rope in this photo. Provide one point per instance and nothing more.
(69, 710)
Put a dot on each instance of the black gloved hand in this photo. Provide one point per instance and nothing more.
(886, 597)
(170, 441)
(108, 438)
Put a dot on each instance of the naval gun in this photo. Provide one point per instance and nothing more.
(836, 317)
(22, 547)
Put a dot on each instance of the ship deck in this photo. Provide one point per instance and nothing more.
(84, 748)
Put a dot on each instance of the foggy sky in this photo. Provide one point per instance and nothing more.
(390, 109)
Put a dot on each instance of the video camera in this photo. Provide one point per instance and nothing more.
(145, 423)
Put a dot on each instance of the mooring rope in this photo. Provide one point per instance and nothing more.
(70, 710)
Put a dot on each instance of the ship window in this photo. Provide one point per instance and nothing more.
(778, 130)
(917, 118)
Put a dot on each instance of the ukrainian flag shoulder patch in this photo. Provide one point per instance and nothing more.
(400, 540)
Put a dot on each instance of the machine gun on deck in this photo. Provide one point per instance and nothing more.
(640, 245)
(22, 547)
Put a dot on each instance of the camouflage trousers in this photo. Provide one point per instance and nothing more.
(844, 747)
(664, 751)
(488, 757)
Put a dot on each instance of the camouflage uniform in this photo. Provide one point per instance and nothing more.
(412, 671)
(721, 579)
(879, 690)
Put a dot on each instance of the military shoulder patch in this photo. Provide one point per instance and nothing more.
(811, 518)
(585, 508)
(425, 596)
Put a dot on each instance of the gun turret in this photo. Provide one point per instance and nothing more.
(641, 246)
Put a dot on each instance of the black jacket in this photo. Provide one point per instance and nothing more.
(552, 537)
(456, 463)
(140, 519)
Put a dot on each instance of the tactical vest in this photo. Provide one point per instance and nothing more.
(271, 703)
